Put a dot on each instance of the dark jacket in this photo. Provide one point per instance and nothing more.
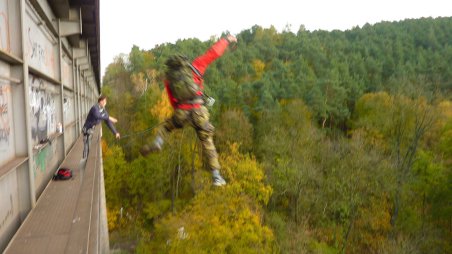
(95, 116)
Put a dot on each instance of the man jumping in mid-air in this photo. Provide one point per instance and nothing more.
(192, 111)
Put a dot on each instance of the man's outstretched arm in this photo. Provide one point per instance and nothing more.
(112, 127)
(214, 52)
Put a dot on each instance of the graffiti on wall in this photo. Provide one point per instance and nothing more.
(41, 50)
(7, 145)
(5, 129)
(9, 212)
(40, 160)
(37, 51)
(40, 53)
(8, 201)
(44, 161)
(42, 110)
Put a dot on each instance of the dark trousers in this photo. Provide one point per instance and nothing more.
(87, 135)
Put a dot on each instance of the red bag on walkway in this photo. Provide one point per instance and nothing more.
(63, 174)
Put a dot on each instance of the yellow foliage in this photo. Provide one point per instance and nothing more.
(379, 117)
(370, 104)
(155, 209)
(162, 108)
(444, 115)
(245, 171)
(221, 220)
(104, 146)
(445, 107)
(369, 230)
(112, 218)
(139, 82)
(267, 34)
(372, 226)
(259, 68)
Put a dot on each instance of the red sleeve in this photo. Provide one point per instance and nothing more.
(172, 100)
(217, 49)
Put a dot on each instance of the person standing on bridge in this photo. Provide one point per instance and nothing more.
(96, 114)
(184, 85)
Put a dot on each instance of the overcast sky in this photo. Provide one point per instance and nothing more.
(146, 23)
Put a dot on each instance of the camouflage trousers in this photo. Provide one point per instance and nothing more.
(199, 120)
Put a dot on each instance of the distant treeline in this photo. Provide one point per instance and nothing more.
(334, 142)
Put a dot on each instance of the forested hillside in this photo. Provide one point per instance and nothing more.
(331, 142)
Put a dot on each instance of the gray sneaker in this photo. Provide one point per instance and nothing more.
(217, 178)
(156, 146)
